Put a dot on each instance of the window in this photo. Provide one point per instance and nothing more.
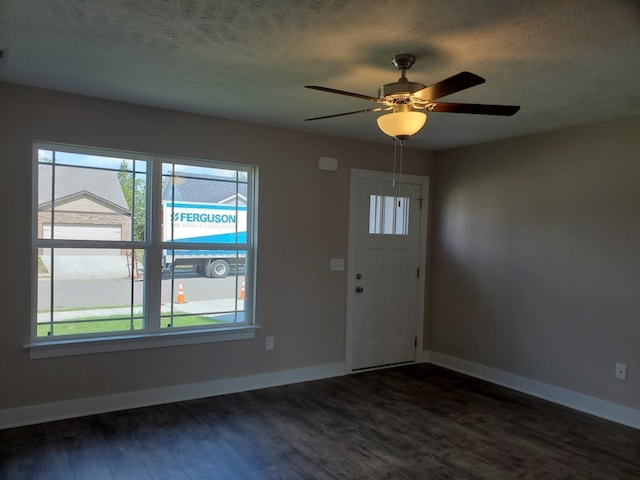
(139, 247)
(388, 215)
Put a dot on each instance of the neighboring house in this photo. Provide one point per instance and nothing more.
(89, 205)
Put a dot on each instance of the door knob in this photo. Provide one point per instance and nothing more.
(359, 289)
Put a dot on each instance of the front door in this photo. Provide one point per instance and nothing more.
(387, 246)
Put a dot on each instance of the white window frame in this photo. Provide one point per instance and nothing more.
(152, 336)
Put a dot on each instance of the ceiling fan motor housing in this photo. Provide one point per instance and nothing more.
(399, 89)
(399, 92)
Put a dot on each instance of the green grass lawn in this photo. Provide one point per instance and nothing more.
(117, 323)
(41, 266)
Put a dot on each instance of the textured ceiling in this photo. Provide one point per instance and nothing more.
(565, 63)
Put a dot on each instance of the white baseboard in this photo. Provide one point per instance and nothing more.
(29, 415)
(578, 401)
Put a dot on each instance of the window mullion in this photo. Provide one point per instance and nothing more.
(153, 266)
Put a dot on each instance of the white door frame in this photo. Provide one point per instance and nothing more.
(357, 174)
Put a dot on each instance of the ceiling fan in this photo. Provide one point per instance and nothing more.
(407, 101)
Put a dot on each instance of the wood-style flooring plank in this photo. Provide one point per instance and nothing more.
(411, 422)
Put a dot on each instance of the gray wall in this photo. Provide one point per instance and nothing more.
(536, 258)
(534, 263)
(302, 224)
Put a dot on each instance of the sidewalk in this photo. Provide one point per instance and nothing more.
(219, 308)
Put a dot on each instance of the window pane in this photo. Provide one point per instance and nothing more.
(83, 291)
(81, 203)
(204, 290)
(388, 215)
(203, 205)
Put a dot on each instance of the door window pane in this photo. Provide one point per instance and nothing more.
(388, 215)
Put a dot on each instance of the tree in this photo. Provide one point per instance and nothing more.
(134, 188)
(45, 156)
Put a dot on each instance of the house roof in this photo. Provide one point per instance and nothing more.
(72, 181)
(206, 189)
(566, 63)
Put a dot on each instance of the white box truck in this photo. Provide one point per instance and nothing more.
(198, 223)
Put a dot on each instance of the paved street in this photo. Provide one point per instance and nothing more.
(114, 292)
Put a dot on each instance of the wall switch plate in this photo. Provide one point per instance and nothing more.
(621, 371)
(269, 343)
(337, 264)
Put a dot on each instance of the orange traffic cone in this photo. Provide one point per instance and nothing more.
(242, 294)
(180, 298)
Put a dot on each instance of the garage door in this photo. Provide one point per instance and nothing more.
(85, 232)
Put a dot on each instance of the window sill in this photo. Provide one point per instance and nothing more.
(84, 346)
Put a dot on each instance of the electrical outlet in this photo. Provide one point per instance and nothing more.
(269, 343)
(621, 371)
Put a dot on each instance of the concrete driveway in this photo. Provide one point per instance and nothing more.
(88, 266)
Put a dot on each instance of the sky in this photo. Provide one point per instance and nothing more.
(140, 164)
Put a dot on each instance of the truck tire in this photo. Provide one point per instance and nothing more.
(218, 268)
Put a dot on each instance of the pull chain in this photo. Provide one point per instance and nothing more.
(397, 159)
(397, 180)
(400, 169)
(395, 148)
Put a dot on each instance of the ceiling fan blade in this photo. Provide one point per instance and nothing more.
(481, 109)
(342, 92)
(379, 109)
(461, 81)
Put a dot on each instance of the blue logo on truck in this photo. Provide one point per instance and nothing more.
(204, 217)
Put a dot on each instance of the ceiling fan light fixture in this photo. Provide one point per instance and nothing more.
(402, 125)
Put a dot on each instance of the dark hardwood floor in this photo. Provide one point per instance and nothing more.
(412, 422)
